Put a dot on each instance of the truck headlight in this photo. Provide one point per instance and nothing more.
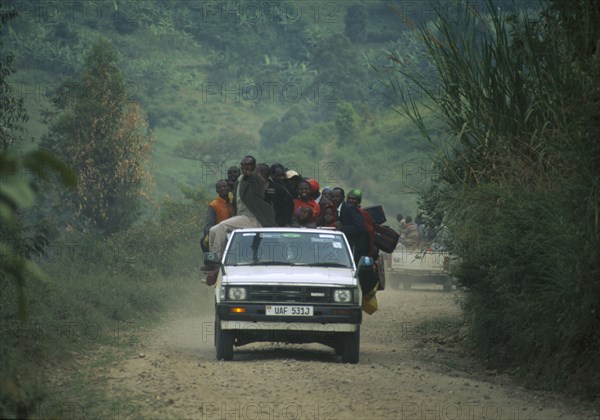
(342, 296)
(237, 293)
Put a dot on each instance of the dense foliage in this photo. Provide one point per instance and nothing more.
(518, 182)
(21, 240)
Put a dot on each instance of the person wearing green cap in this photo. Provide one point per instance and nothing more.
(354, 197)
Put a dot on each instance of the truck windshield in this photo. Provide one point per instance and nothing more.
(288, 248)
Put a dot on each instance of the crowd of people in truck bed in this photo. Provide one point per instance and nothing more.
(256, 195)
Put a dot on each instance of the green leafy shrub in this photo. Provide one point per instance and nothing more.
(518, 183)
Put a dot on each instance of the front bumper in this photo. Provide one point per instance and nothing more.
(326, 318)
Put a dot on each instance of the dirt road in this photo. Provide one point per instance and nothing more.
(409, 369)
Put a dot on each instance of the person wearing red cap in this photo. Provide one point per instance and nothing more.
(314, 188)
(305, 200)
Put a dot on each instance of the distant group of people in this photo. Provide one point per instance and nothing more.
(257, 195)
(412, 233)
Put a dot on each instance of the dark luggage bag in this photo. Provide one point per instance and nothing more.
(376, 213)
(386, 238)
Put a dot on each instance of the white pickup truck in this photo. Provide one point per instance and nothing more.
(291, 285)
(419, 265)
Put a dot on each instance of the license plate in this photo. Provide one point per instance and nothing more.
(289, 310)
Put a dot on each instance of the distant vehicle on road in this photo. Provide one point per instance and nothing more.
(429, 264)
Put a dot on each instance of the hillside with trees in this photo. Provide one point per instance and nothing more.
(243, 77)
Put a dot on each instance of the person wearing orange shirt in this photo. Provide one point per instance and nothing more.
(219, 209)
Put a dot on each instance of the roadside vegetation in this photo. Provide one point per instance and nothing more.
(518, 184)
(81, 270)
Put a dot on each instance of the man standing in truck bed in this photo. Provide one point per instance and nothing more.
(251, 211)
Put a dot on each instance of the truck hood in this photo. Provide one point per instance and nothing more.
(325, 276)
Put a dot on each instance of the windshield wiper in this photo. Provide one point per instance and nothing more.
(324, 264)
(264, 263)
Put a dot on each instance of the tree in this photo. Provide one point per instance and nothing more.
(356, 23)
(275, 132)
(339, 71)
(105, 139)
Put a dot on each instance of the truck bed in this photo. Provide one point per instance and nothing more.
(423, 265)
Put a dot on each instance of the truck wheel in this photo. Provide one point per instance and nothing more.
(351, 349)
(223, 342)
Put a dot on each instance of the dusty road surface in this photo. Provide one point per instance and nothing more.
(410, 368)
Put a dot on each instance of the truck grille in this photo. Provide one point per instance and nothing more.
(297, 294)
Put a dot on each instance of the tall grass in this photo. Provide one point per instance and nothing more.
(519, 182)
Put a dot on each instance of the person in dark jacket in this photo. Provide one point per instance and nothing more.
(351, 222)
(292, 178)
(355, 198)
(278, 173)
(277, 194)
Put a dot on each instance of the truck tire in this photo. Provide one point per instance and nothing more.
(223, 342)
(351, 350)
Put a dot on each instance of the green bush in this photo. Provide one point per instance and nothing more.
(518, 184)
(98, 291)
